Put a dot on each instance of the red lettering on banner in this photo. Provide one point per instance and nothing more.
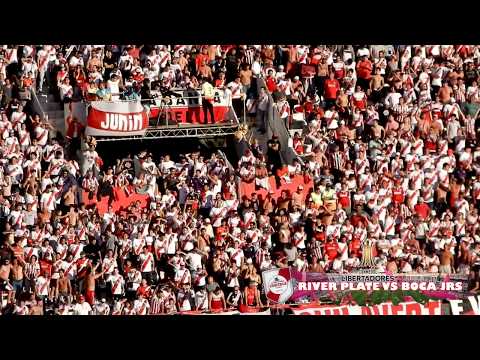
(366, 310)
(306, 313)
(413, 309)
(190, 114)
(385, 309)
(345, 311)
(406, 308)
(397, 308)
(375, 310)
(434, 308)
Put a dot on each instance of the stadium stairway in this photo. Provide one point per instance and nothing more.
(52, 109)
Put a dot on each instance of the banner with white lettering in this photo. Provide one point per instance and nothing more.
(107, 118)
(288, 285)
(185, 107)
(468, 306)
(313, 286)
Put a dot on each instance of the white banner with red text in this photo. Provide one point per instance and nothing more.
(406, 308)
(120, 118)
(468, 306)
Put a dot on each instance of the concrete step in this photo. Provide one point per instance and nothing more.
(53, 114)
(48, 98)
(51, 106)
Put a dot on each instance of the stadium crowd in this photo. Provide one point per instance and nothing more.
(390, 141)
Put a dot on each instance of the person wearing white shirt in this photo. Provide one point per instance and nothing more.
(437, 75)
(114, 85)
(66, 90)
(74, 61)
(82, 307)
(280, 73)
(150, 73)
(201, 299)
(452, 128)
(256, 67)
(117, 284)
(363, 51)
(392, 99)
(166, 165)
(149, 166)
(194, 259)
(300, 263)
(141, 306)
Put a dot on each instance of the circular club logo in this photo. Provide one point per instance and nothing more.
(278, 285)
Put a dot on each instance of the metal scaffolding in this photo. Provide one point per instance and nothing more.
(180, 131)
(163, 128)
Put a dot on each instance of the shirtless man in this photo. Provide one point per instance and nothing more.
(413, 246)
(446, 260)
(4, 276)
(377, 130)
(464, 259)
(435, 126)
(17, 277)
(73, 216)
(320, 157)
(315, 266)
(392, 266)
(392, 126)
(90, 284)
(203, 239)
(64, 287)
(376, 85)
(36, 308)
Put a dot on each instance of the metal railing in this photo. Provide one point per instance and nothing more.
(161, 100)
(37, 106)
(198, 90)
(175, 131)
